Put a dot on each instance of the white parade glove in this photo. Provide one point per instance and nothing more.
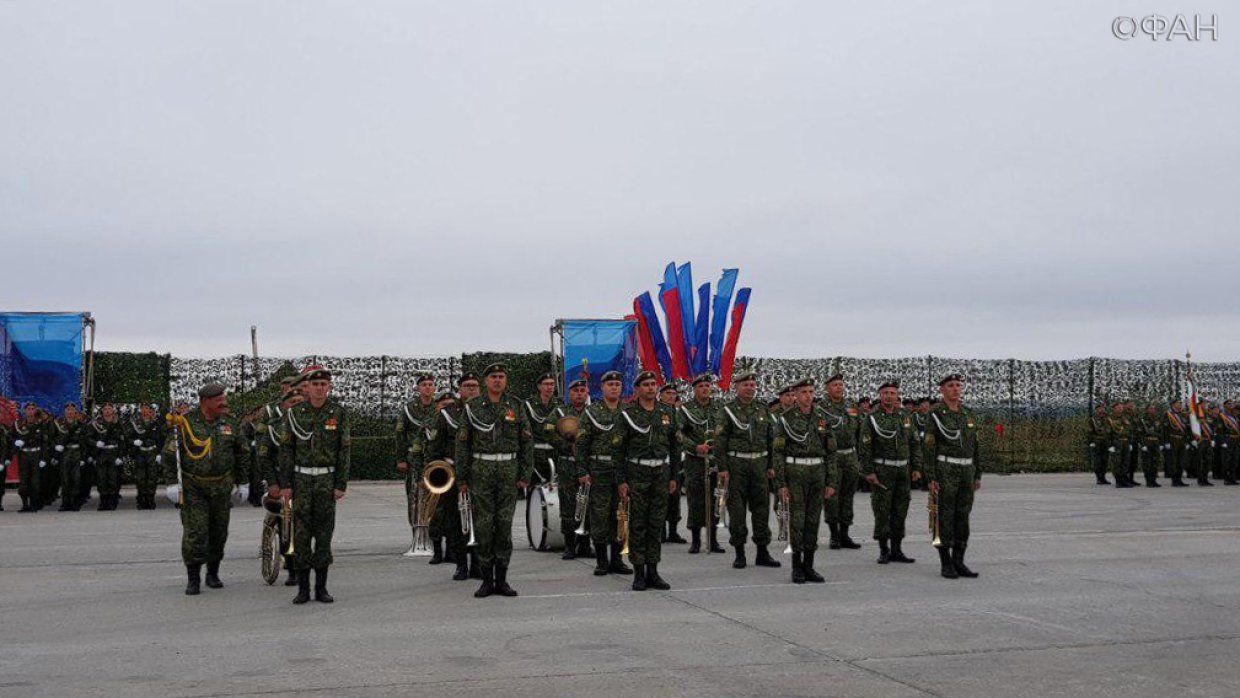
(19, 443)
(1211, 443)
(42, 464)
(1144, 449)
(173, 492)
(137, 442)
(1110, 449)
(159, 459)
(99, 444)
(117, 461)
(1166, 447)
(60, 448)
(1093, 445)
(245, 492)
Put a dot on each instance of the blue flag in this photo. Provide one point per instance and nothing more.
(684, 284)
(701, 332)
(718, 327)
(41, 358)
(607, 345)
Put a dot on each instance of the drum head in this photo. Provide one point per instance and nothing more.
(534, 517)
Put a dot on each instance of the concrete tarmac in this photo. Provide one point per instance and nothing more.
(1084, 590)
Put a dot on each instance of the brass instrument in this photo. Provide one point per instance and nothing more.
(583, 505)
(622, 525)
(277, 526)
(466, 508)
(721, 506)
(437, 479)
(286, 526)
(568, 426)
(932, 506)
(783, 513)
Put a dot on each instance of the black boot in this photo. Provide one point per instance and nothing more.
(739, 563)
(617, 565)
(584, 548)
(65, 505)
(673, 536)
(958, 562)
(897, 552)
(303, 587)
(449, 555)
(475, 567)
(501, 580)
(194, 586)
(846, 541)
(798, 569)
(713, 536)
(25, 505)
(695, 546)
(1204, 482)
(436, 552)
(653, 580)
(1101, 480)
(213, 575)
(884, 553)
(487, 588)
(292, 578)
(946, 569)
(462, 569)
(600, 561)
(807, 565)
(570, 547)
(834, 526)
(1152, 482)
(764, 559)
(320, 586)
(639, 579)
(1120, 483)
(1177, 481)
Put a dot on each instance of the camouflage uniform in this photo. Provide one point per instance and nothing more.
(207, 484)
(595, 455)
(890, 451)
(743, 451)
(414, 418)
(957, 470)
(1118, 449)
(494, 451)
(1149, 447)
(314, 461)
(438, 442)
(1228, 439)
(646, 453)
(109, 438)
(1201, 453)
(803, 450)
(542, 428)
(1099, 443)
(145, 439)
(566, 480)
(845, 424)
(695, 424)
(1175, 445)
(71, 443)
(32, 445)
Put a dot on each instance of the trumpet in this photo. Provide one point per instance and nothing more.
(932, 506)
(783, 514)
(437, 479)
(579, 514)
(721, 506)
(286, 526)
(466, 508)
(622, 525)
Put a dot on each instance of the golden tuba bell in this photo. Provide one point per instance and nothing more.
(568, 427)
(437, 479)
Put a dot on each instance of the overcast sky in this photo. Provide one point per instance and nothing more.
(973, 179)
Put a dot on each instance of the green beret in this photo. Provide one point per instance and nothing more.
(210, 390)
(423, 378)
(832, 379)
(445, 395)
(704, 378)
(643, 377)
(785, 390)
(315, 373)
(949, 378)
(545, 377)
(744, 376)
(611, 376)
(803, 383)
(890, 384)
(494, 368)
(466, 377)
(288, 381)
(773, 403)
(669, 388)
(579, 383)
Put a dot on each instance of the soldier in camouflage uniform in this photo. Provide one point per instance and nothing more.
(1213, 416)
(1175, 439)
(70, 434)
(1201, 453)
(669, 395)
(212, 457)
(32, 445)
(109, 435)
(415, 417)
(314, 459)
(803, 448)
(439, 443)
(566, 471)
(49, 469)
(1118, 450)
(1100, 443)
(1147, 437)
(494, 458)
(146, 436)
(539, 410)
(6, 456)
(695, 424)
(267, 448)
(955, 474)
(646, 453)
(594, 456)
(845, 423)
(1229, 443)
(891, 461)
(743, 452)
(921, 418)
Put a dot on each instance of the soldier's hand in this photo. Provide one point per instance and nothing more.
(273, 492)
(702, 449)
(977, 485)
(671, 486)
(784, 495)
(338, 494)
(624, 491)
(583, 480)
(1093, 445)
(402, 467)
(770, 473)
(723, 477)
(934, 486)
(872, 479)
(286, 493)
(916, 476)
(828, 493)
(522, 485)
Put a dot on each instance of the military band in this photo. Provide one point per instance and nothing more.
(416, 416)
(595, 456)
(438, 443)
(802, 448)
(645, 452)
(845, 422)
(267, 450)
(743, 432)
(955, 474)
(891, 460)
(695, 426)
(567, 426)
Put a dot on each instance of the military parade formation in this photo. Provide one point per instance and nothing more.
(609, 474)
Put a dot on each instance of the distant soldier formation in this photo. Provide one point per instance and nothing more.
(1123, 439)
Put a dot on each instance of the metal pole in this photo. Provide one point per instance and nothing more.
(254, 351)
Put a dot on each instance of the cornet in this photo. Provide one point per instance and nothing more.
(721, 506)
(466, 508)
(437, 479)
(579, 514)
(286, 523)
(622, 525)
(783, 514)
(932, 506)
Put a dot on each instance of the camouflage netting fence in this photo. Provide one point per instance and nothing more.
(1039, 407)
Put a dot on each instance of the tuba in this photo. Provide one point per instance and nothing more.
(568, 426)
(437, 479)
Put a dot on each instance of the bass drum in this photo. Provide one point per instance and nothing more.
(542, 518)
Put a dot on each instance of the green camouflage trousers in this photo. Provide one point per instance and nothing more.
(1174, 460)
(1201, 458)
(603, 502)
(647, 512)
(28, 484)
(204, 520)
(694, 484)
(566, 486)
(1229, 454)
(805, 488)
(1151, 458)
(890, 502)
(749, 491)
(70, 473)
(146, 472)
(109, 474)
(1119, 459)
(449, 517)
(493, 493)
(314, 520)
(839, 509)
(955, 503)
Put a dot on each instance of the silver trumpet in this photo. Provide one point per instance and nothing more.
(784, 515)
(579, 513)
(466, 507)
(721, 506)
